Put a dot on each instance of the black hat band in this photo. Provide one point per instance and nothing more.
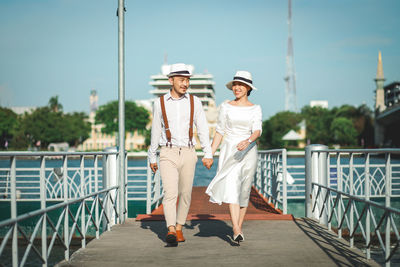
(243, 79)
(180, 72)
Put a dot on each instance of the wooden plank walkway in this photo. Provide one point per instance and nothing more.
(202, 209)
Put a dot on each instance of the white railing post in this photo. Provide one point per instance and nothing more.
(96, 188)
(328, 177)
(339, 186)
(13, 181)
(284, 185)
(43, 206)
(313, 174)
(387, 204)
(148, 189)
(322, 180)
(83, 219)
(109, 180)
(351, 172)
(66, 216)
(367, 215)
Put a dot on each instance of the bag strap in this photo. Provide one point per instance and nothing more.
(191, 121)
(164, 114)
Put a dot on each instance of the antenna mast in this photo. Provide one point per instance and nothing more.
(290, 94)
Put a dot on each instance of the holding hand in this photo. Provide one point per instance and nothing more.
(154, 167)
(207, 162)
(243, 145)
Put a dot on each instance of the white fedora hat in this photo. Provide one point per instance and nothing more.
(179, 69)
(243, 77)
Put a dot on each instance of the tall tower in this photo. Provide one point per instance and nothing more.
(379, 92)
(93, 105)
(290, 93)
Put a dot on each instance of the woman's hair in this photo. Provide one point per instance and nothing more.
(248, 92)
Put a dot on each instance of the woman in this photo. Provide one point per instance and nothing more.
(239, 123)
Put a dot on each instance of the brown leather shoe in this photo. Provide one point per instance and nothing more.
(179, 236)
(171, 238)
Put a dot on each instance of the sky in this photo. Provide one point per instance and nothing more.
(66, 48)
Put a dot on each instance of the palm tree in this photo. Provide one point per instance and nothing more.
(54, 105)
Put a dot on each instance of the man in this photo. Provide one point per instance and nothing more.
(173, 117)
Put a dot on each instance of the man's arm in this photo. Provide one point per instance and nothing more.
(203, 133)
(155, 136)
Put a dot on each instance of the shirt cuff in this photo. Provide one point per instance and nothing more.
(208, 155)
(152, 157)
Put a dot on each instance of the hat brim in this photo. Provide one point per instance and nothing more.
(179, 74)
(230, 84)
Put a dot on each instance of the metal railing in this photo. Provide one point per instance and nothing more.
(345, 206)
(270, 178)
(94, 208)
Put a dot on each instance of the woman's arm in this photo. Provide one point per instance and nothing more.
(216, 142)
(244, 144)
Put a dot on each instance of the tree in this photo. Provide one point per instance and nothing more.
(276, 127)
(54, 105)
(318, 122)
(136, 118)
(343, 131)
(76, 128)
(8, 121)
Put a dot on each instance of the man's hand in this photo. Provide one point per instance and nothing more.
(154, 167)
(207, 162)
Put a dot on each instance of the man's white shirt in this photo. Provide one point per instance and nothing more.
(178, 116)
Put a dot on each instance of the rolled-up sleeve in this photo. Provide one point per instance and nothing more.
(257, 120)
(221, 120)
(202, 128)
(155, 132)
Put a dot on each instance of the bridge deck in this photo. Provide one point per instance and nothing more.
(268, 243)
(202, 209)
(271, 239)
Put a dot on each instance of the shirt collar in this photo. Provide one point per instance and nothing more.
(169, 96)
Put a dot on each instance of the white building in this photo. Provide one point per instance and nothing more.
(319, 103)
(201, 85)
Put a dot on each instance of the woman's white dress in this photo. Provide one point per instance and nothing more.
(233, 180)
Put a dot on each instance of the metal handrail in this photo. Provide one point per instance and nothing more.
(111, 207)
(326, 202)
(331, 206)
(272, 163)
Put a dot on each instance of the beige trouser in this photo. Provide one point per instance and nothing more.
(177, 166)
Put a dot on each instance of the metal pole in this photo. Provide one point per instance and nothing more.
(121, 104)
(311, 173)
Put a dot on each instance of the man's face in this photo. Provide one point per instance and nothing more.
(180, 84)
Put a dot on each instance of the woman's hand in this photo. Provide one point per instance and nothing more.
(243, 145)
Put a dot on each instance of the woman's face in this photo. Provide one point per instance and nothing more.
(240, 89)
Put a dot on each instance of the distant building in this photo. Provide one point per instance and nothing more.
(99, 140)
(22, 110)
(201, 85)
(392, 94)
(319, 103)
(297, 137)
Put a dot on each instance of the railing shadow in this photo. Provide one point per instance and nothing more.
(335, 249)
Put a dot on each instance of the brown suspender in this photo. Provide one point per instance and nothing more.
(167, 131)
(191, 121)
